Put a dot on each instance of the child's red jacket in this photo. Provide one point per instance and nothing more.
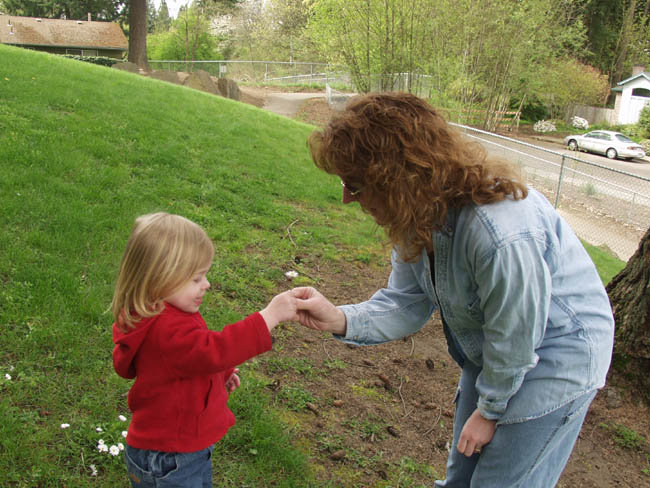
(180, 368)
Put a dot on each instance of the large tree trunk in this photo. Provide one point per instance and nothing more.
(629, 293)
(138, 33)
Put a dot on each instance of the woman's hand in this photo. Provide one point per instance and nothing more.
(476, 433)
(317, 312)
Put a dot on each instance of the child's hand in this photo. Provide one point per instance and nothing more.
(282, 308)
(233, 381)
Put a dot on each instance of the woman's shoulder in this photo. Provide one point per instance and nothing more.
(508, 220)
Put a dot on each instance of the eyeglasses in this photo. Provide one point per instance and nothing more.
(351, 190)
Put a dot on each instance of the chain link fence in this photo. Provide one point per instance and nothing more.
(267, 72)
(604, 206)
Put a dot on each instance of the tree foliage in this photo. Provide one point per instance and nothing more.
(464, 52)
(188, 37)
(107, 10)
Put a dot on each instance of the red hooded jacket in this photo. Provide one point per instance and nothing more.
(178, 399)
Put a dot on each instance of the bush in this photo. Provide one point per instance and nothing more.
(579, 122)
(544, 126)
(101, 60)
(644, 122)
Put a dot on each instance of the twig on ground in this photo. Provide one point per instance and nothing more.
(326, 351)
(289, 232)
(399, 390)
(304, 274)
(388, 409)
(428, 431)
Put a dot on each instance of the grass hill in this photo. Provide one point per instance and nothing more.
(84, 150)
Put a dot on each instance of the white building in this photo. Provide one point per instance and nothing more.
(631, 96)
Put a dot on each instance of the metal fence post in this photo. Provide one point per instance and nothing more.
(559, 182)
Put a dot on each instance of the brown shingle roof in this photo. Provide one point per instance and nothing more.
(29, 31)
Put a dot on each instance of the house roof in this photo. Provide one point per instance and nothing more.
(30, 31)
(645, 75)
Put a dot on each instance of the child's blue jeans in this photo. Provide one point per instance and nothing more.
(157, 469)
(529, 454)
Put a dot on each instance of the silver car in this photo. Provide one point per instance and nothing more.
(611, 144)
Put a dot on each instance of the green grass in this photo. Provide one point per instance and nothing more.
(85, 149)
(606, 263)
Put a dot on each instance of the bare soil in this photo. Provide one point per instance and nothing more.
(384, 414)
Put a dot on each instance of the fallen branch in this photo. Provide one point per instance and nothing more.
(289, 232)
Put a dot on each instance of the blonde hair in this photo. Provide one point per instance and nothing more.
(397, 146)
(163, 253)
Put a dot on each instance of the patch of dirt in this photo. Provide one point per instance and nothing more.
(385, 412)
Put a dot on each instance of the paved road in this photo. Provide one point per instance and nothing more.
(639, 167)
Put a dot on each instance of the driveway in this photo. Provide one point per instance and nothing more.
(288, 104)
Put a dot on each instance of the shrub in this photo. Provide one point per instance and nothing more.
(101, 60)
(644, 122)
(544, 126)
(579, 122)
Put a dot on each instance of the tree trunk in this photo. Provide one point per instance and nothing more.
(629, 294)
(138, 33)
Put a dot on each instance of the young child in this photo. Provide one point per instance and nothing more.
(183, 371)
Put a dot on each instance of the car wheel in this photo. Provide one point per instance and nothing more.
(573, 145)
(611, 153)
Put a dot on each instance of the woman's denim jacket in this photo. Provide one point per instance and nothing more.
(518, 296)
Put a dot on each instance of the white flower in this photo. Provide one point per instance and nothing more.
(11, 368)
(122, 418)
(124, 433)
(99, 429)
(291, 274)
(8, 377)
(93, 470)
(102, 447)
(579, 122)
(120, 446)
(65, 426)
(114, 450)
(544, 126)
(100, 442)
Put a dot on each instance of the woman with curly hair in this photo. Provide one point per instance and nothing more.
(524, 311)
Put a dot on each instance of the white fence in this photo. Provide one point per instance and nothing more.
(595, 115)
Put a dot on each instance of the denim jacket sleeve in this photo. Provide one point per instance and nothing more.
(514, 286)
(399, 309)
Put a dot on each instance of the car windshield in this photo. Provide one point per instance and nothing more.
(623, 138)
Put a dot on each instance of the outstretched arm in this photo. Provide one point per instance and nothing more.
(317, 312)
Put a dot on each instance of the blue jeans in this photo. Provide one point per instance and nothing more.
(157, 469)
(530, 454)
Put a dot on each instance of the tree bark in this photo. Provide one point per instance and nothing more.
(138, 33)
(629, 294)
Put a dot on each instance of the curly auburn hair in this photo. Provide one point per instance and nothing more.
(397, 146)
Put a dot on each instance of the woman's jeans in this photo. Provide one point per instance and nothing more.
(156, 469)
(530, 454)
